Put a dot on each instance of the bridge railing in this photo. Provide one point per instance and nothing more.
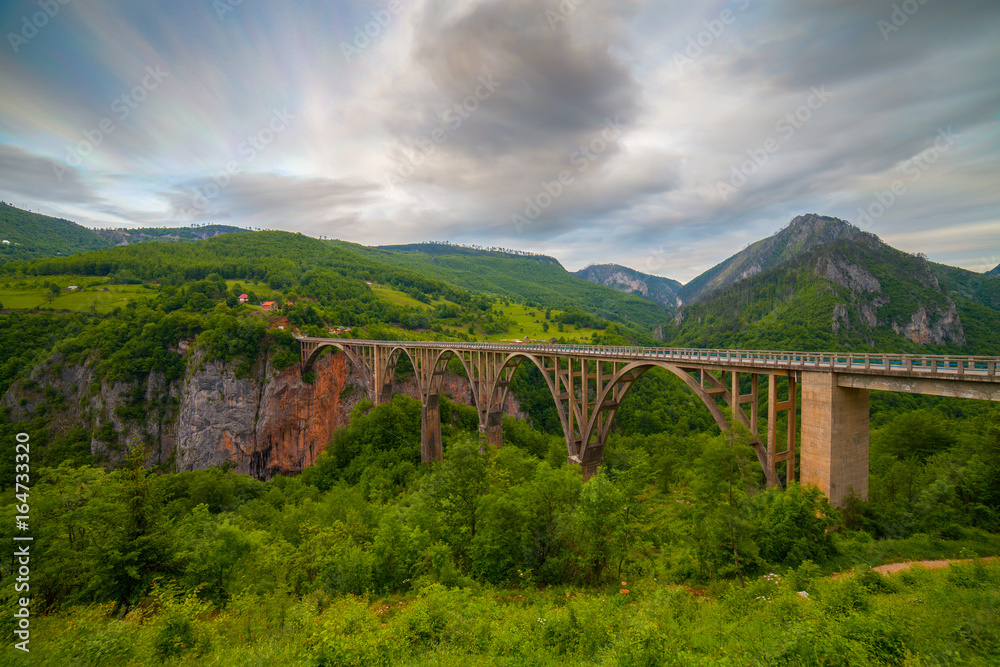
(950, 366)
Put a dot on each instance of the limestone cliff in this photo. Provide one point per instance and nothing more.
(263, 423)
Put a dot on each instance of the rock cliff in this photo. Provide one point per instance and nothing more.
(263, 423)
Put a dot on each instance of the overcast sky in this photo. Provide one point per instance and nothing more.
(664, 136)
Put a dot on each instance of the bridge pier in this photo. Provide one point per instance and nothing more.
(491, 431)
(430, 430)
(834, 449)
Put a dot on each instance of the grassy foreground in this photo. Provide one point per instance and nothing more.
(915, 617)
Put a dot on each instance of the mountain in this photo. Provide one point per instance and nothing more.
(803, 233)
(995, 271)
(659, 290)
(822, 283)
(523, 277)
(27, 235)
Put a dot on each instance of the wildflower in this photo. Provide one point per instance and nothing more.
(624, 591)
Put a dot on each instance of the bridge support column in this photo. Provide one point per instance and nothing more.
(430, 430)
(834, 451)
(593, 456)
(491, 433)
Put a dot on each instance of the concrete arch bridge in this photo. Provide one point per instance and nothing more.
(588, 382)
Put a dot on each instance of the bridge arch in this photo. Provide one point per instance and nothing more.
(500, 384)
(364, 370)
(609, 398)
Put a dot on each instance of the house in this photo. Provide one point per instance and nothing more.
(244, 298)
(72, 288)
(6, 242)
(269, 305)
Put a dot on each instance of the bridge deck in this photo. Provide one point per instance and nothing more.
(943, 367)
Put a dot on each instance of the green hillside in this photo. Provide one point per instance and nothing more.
(27, 235)
(803, 233)
(523, 278)
(847, 295)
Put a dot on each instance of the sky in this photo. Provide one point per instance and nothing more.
(664, 136)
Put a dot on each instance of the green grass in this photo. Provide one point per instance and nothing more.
(399, 298)
(32, 296)
(530, 322)
(949, 616)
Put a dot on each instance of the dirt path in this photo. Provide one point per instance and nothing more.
(932, 564)
(891, 568)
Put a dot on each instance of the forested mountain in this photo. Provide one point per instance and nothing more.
(821, 283)
(802, 234)
(851, 293)
(522, 277)
(659, 290)
(27, 235)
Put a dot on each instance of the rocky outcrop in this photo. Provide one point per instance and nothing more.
(923, 329)
(843, 273)
(659, 290)
(261, 423)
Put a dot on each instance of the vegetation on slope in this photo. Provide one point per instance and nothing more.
(672, 552)
(523, 278)
(32, 235)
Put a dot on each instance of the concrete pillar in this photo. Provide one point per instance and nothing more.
(834, 449)
(383, 394)
(491, 433)
(430, 430)
(593, 456)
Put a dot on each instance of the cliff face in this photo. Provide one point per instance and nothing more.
(266, 423)
(659, 290)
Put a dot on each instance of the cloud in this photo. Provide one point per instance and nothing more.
(458, 117)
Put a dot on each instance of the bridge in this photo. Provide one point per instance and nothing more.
(827, 391)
